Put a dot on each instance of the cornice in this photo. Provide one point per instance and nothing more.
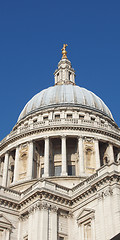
(98, 187)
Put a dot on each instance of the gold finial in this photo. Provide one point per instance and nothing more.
(64, 52)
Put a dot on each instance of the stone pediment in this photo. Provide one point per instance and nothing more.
(5, 223)
(85, 215)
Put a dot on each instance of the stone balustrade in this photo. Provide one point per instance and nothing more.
(107, 127)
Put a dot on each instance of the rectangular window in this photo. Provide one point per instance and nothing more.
(57, 116)
(102, 121)
(71, 170)
(57, 170)
(69, 116)
(69, 75)
(42, 171)
(45, 118)
(35, 121)
(81, 117)
(61, 238)
(92, 118)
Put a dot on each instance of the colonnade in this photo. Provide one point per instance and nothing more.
(64, 168)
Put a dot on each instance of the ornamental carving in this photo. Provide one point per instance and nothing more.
(105, 193)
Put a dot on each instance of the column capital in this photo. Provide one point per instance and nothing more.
(17, 146)
(54, 208)
(63, 136)
(80, 137)
(96, 139)
(30, 141)
(46, 137)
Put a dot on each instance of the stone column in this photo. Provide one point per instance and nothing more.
(111, 153)
(46, 157)
(97, 153)
(64, 157)
(53, 223)
(81, 155)
(5, 170)
(30, 161)
(16, 168)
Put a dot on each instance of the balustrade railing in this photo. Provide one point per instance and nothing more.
(59, 122)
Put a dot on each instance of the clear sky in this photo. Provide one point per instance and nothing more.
(31, 37)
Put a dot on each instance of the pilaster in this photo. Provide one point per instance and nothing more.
(53, 223)
(44, 222)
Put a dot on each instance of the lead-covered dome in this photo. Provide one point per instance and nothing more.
(65, 95)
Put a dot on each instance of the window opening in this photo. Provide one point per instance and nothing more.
(57, 116)
(69, 116)
(71, 170)
(45, 118)
(81, 117)
(57, 170)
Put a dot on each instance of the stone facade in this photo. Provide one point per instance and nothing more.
(60, 172)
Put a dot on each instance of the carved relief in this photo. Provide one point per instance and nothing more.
(105, 193)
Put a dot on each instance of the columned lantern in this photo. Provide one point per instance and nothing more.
(59, 166)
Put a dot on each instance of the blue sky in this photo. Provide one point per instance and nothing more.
(31, 38)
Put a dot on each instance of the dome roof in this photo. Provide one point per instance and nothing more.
(65, 95)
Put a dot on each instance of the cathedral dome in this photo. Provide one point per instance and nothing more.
(60, 166)
(65, 95)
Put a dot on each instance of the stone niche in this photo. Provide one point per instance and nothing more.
(89, 156)
(23, 158)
